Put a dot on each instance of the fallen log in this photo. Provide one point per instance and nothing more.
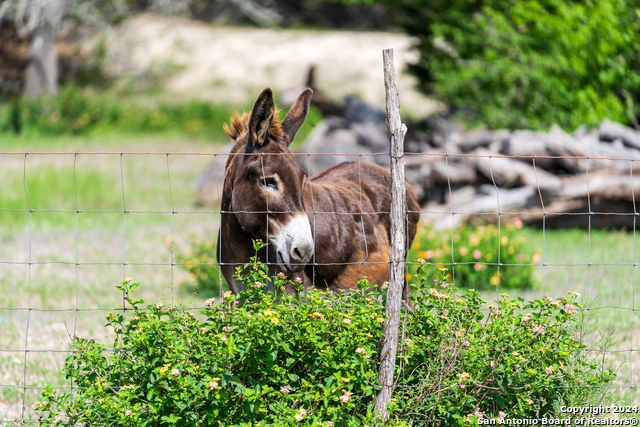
(508, 172)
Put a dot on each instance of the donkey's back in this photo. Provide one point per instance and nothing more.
(348, 207)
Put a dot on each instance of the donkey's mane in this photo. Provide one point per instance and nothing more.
(240, 124)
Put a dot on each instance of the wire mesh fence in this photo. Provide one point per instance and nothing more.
(76, 224)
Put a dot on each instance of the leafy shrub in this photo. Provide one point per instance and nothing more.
(519, 360)
(312, 358)
(475, 252)
(528, 64)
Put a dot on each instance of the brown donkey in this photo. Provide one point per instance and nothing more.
(331, 229)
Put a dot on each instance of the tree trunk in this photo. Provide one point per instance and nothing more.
(42, 67)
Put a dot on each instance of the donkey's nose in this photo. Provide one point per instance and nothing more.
(301, 253)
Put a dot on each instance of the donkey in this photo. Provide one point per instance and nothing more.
(331, 229)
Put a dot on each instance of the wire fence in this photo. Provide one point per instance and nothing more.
(53, 291)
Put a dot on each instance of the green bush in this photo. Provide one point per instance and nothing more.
(528, 63)
(313, 357)
(475, 252)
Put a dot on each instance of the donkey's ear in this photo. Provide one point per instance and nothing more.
(298, 112)
(261, 116)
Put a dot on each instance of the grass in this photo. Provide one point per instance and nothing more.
(101, 242)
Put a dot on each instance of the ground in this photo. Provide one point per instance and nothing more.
(233, 64)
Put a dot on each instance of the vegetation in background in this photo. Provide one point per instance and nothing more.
(475, 252)
(75, 111)
(528, 63)
(279, 360)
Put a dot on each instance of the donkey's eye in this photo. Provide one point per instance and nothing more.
(269, 183)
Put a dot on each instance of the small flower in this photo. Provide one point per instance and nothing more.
(175, 372)
(301, 414)
(346, 396)
(408, 341)
(274, 321)
(212, 385)
(159, 305)
(501, 416)
(126, 414)
(285, 390)
(529, 401)
(538, 329)
(549, 369)
(361, 350)
(259, 284)
(226, 329)
(223, 338)
(461, 385)
(346, 380)
(128, 279)
(298, 280)
(477, 254)
(330, 423)
(347, 321)
(478, 414)
(281, 275)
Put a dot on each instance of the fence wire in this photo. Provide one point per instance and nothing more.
(37, 327)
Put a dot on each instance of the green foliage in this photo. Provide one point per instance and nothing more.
(528, 63)
(476, 255)
(78, 112)
(74, 111)
(312, 358)
(519, 360)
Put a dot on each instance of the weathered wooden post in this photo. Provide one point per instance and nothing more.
(397, 131)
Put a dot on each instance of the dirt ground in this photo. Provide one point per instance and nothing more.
(233, 64)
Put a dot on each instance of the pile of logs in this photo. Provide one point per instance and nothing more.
(554, 175)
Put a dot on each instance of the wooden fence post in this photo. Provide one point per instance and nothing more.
(397, 131)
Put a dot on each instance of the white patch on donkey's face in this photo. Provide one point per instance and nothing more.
(294, 244)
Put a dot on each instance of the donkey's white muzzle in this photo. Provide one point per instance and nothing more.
(294, 244)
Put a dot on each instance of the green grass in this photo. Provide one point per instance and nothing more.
(74, 111)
